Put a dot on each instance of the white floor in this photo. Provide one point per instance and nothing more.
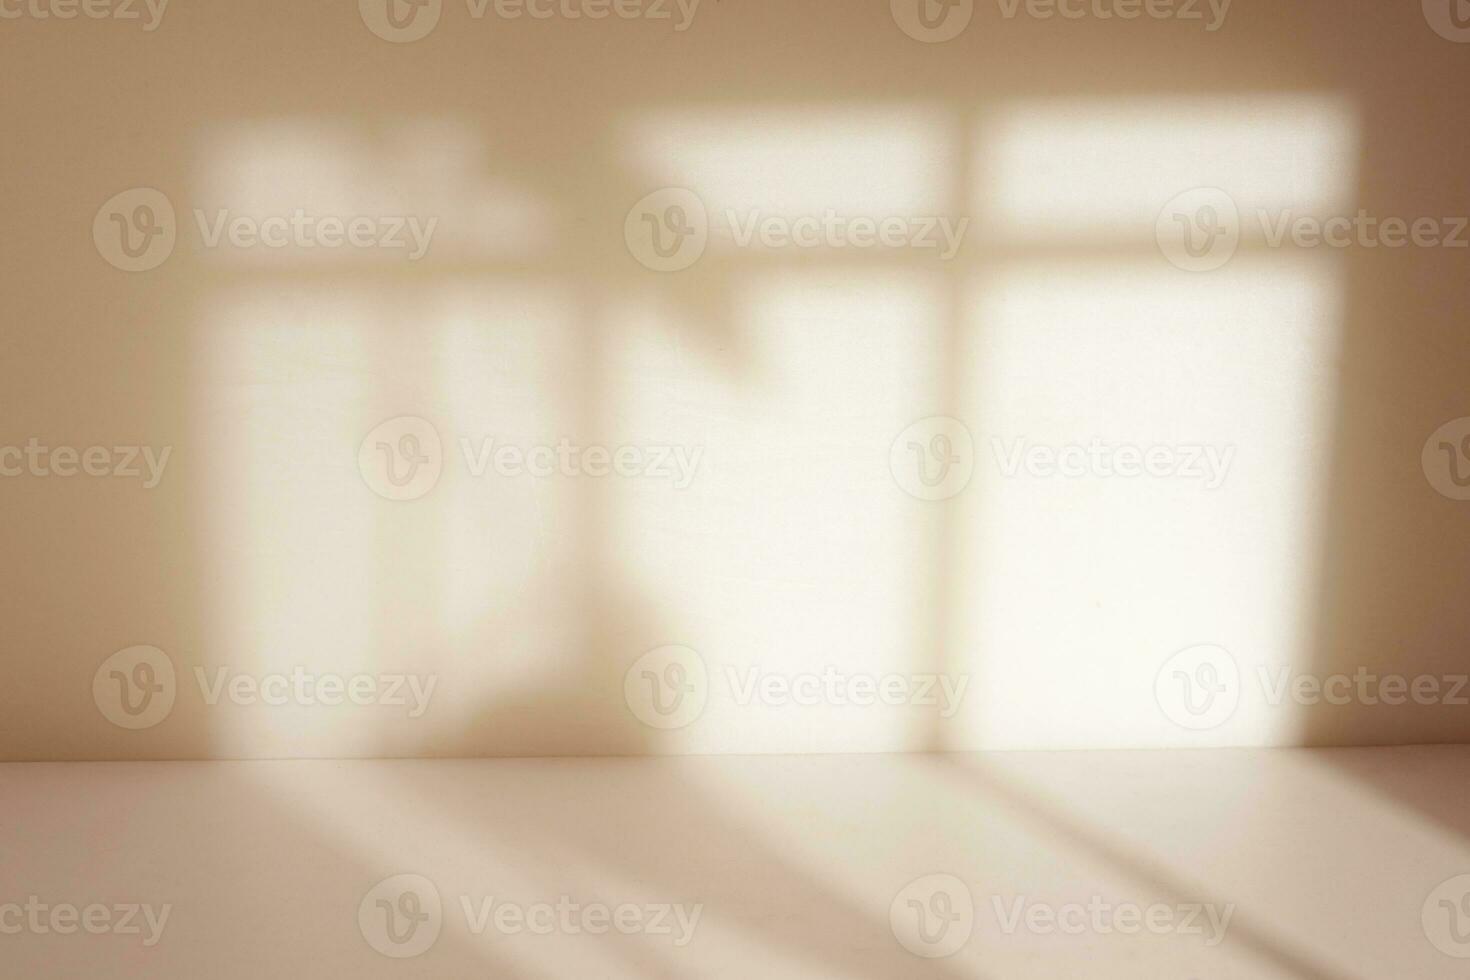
(1219, 864)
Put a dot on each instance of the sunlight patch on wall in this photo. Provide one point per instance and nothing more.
(282, 387)
(509, 370)
(1060, 171)
(1086, 563)
(435, 176)
(856, 162)
(1152, 444)
(791, 548)
(470, 582)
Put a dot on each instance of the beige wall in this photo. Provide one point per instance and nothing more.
(787, 374)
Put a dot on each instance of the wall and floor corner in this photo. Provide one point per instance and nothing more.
(440, 380)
